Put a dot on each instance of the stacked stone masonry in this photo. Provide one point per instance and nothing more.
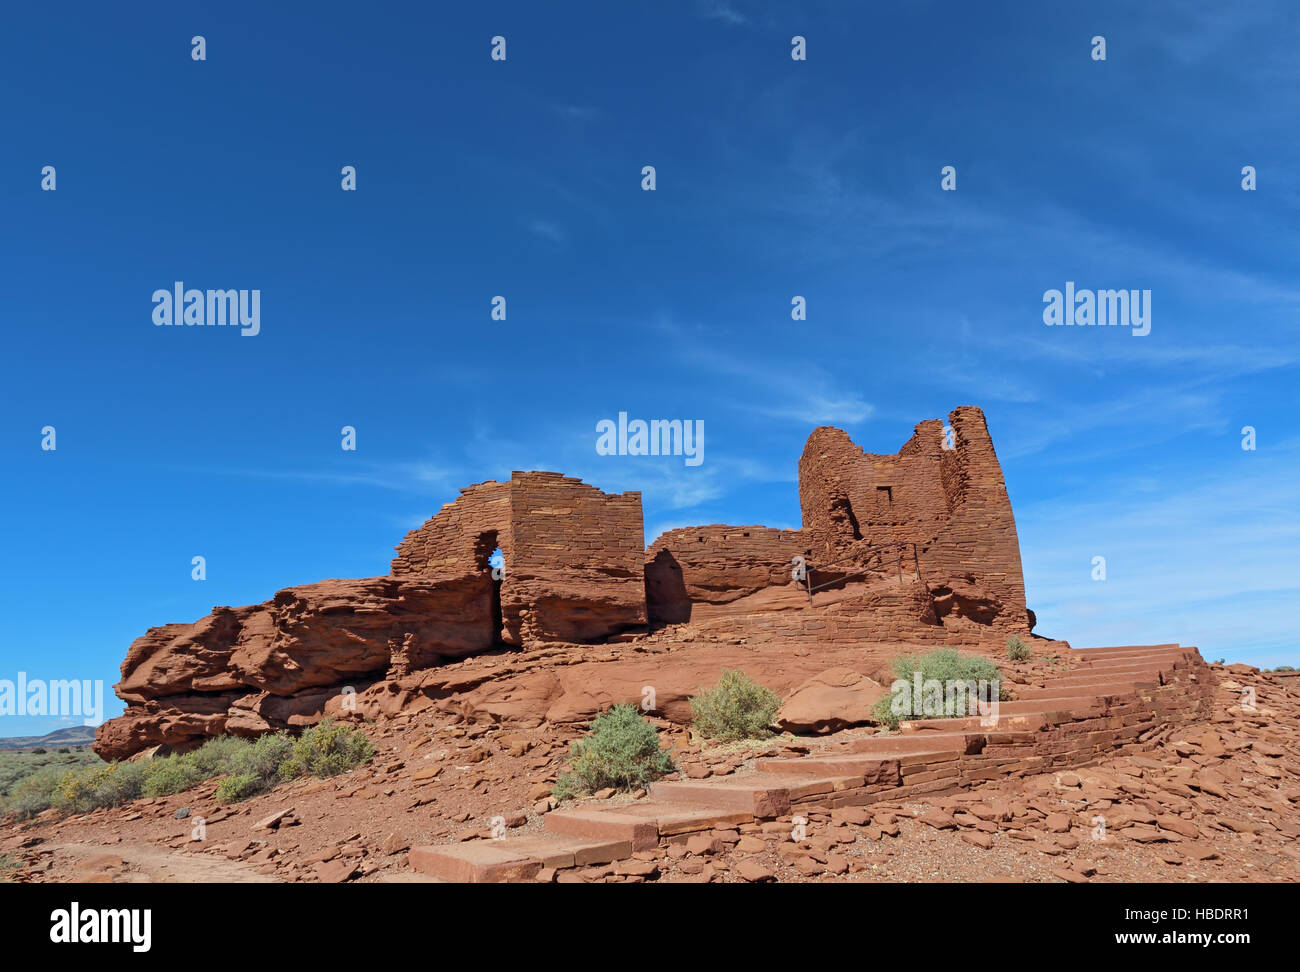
(576, 572)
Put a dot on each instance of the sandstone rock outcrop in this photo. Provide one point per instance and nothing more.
(832, 700)
(917, 548)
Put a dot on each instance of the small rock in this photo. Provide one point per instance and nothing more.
(808, 867)
(335, 872)
(629, 868)
(978, 838)
(274, 820)
(702, 844)
(1056, 823)
(1065, 874)
(753, 872)
(937, 818)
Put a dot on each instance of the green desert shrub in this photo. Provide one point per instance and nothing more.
(38, 792)
(735, 708)
(110, 785)
(249, 767)
(327, 749)
(255, 766)
(264, 757)
(240, 786)
(1017, 650)
(165, 775)
(216, 756)
(622, 751)
(951, 671)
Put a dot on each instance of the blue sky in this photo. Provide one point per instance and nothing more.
(522, 178)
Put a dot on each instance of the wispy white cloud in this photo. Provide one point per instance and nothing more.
(721, 11)
(548, 230)
(411, 477)
(774, 387)
(577, 113)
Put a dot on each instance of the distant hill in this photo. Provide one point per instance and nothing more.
(71, 736)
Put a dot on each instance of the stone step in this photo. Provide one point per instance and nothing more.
(1125, 658)
(1089, 674)
(763, 795)
(922, 756)
(872, 769)
(1076, 703)
(896, 745)
(1125, 649)
(1005, 722)
(1098, 685)
(899, 745)
(1027, 714)
(1095, 688)
(673, 819)
(512, 858)
(818, 785)
(1064, 701)
(1085, 666)
(760, 798)
(474, 862)
(600, 823)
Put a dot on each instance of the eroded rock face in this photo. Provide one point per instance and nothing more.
(179, 723)
(577, 578)
(270, 666)
(581, 604)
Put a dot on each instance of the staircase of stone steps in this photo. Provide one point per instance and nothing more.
(1105, 703)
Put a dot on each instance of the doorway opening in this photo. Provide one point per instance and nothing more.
(490, 558)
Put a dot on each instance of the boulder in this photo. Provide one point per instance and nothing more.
(833, 700)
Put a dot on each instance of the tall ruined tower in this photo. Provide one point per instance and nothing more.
(951, 503)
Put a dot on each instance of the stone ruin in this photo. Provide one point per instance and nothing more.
(914, 548)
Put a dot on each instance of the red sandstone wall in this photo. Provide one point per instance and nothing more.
(576, 573)
(979, 540)
(951, 503)
(449, 543)
(573, 554)
(715, 564)
(562, 522)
